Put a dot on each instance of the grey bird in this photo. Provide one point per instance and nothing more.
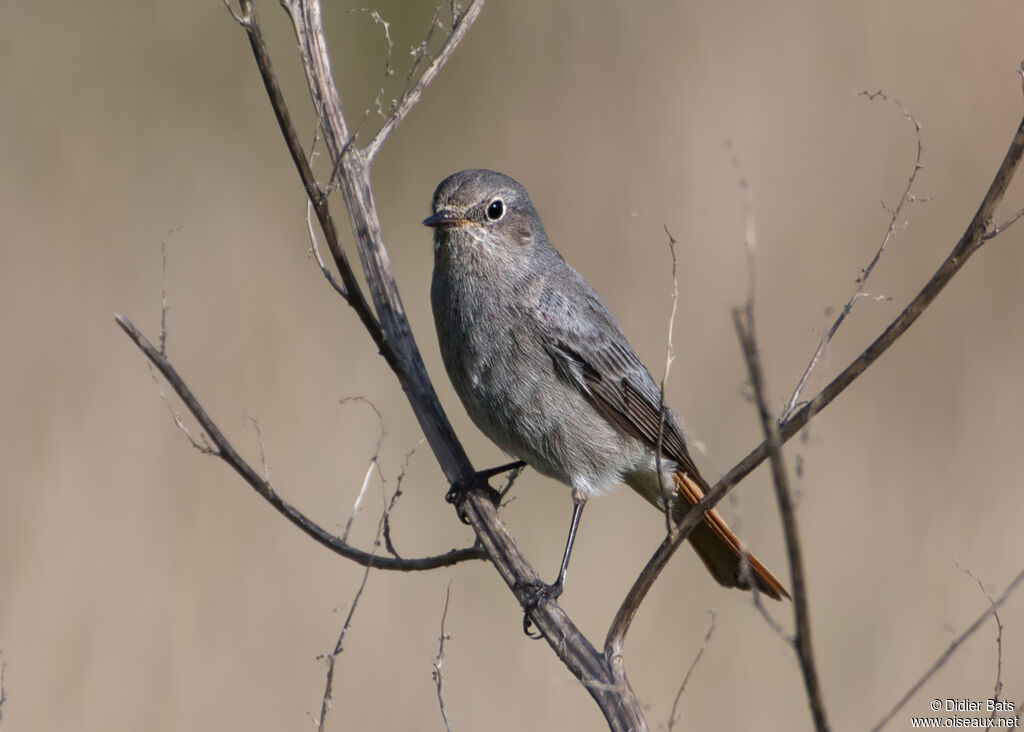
(546, 373)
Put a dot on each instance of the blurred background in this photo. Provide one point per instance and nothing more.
(144, 586)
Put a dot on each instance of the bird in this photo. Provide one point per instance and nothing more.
(544, 370)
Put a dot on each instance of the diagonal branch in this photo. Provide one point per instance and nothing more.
(862, 280)
(971, 241)
(249, 21)
(993, 606)
(226, 452)
(352, 166)
(460, 26)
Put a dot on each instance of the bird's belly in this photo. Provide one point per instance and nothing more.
(548, 423)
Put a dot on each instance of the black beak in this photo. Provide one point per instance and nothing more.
(444, 220)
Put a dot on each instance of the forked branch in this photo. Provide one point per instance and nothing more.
(223, 449)
(975, 235)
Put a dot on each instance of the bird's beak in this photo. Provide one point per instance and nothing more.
(444, 220)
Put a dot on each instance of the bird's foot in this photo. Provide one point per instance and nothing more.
(536, 593)
(478, 481)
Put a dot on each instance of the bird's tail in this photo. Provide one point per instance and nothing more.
(721, 550)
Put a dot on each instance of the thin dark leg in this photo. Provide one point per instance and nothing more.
(507, 467)
(457, 493)
(553, 591)
(577, 511)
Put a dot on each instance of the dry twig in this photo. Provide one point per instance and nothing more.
(950, 650)
(439, 659)
(223, 449)
(743, 319)
(970, 242)
(673, 716)
(862, 279)
(602, 674)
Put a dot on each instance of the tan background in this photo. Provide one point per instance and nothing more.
(143, 586)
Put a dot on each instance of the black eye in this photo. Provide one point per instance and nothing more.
(495, 209)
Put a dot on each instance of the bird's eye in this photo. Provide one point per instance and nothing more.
(495, 209)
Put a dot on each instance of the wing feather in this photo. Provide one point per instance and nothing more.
(589, 349)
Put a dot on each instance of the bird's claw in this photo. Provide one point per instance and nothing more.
(461, 488)
(537, 592)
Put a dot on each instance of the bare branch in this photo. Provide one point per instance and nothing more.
(163, 289)
(439, 659)
(673, 716)
(264, 462)
(378, 19)
(999, 229)
(332, 657)
(862, 279)
(390, 330)
(602, 674)
(970, 242)
(314, 246)
(743, 319)
(749, 226)
(352, 292)
(510, 481)
(948, 653)
(750, 245)
(667, 491)
(394, 500)
(373, 466)
(997, 691)
(609, 688)
(460, 26)
(223, 449)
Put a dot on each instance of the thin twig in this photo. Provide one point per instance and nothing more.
(439, 659)
(374, 465)
(510, 481)
(1000, 228)
(970, 242)
(223, 449)
(422, 51)
(332, 657)
(667, 490)
(351, 291)
(388, 544)
(948, 653)
(378, 19)
(749, 224)
(862, 279)
(743, 319)
(163, 289)
(460, 26)
(314, 244)
(673, 716)
(264, 461)
(750, 246)
(997, 690)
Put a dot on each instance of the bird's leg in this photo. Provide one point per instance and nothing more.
(553, 591)
(460, 488)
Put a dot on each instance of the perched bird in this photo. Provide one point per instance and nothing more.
(545, 372)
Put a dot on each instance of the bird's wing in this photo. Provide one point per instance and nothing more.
(590, 351)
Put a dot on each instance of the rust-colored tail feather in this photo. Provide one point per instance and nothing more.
(719, 548)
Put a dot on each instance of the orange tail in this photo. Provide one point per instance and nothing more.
(720, 549)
